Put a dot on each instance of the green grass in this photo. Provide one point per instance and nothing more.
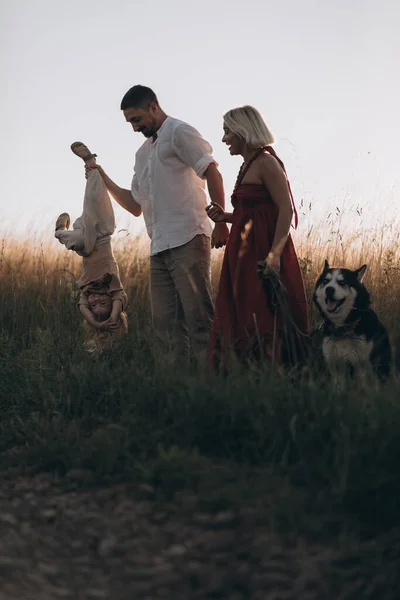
(311, 460)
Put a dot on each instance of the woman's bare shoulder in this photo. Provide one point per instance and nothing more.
(267, 161)
(268, 166)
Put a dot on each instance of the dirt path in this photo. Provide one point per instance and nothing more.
(103, 544)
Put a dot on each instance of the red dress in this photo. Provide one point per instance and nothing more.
(243, 318)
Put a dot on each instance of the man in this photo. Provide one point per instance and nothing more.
(168, 188)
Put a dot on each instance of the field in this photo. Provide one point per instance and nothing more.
(122, 479)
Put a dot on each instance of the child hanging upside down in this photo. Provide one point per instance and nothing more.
(102, 300)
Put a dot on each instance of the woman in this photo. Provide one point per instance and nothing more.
(262, 214)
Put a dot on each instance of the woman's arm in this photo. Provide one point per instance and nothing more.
(274, 179)
(217, 213)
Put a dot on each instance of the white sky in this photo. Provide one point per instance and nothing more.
(324, 74)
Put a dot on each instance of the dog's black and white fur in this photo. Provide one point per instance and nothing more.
(353, 338)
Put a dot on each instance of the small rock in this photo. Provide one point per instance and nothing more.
(49, 514)
(193, 566)
(8, 518)
(160, 516)
(48, 569)
(203, 518)
(176, 550)
(106, 545)
(148, 489)
(224, 518)
(13, 563)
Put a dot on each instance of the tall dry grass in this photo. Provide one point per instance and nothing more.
(37, 261)
(315, 461)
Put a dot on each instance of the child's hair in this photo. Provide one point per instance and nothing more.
(96, 341)
(99, 286)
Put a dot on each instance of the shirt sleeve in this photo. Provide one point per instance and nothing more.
(192, 148)
(83, 301)
(120, 295)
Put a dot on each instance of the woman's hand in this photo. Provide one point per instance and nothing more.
(216, 213)
(273, 261)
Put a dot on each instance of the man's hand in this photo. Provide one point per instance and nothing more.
(89, 167)
(220, 235)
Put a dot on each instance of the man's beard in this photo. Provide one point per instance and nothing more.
(149, 132)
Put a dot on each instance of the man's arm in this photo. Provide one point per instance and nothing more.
(215, 185)
(216, 190)
(196, 152)
(122, 196)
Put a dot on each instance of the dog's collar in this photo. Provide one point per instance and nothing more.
(344, 329)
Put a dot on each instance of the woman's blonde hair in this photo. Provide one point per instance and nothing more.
(248, 124)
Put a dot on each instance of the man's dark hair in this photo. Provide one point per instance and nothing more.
(139, 96)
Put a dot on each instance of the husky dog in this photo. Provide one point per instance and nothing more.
(353, 338)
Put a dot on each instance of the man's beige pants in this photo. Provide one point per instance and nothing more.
(182, 307)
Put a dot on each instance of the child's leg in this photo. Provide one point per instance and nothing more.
(76, 239)
(73, 240)
(98, 221)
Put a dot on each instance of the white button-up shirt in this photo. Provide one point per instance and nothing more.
(168, 183)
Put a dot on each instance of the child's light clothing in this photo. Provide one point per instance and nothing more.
(109, 284)
(90, 237)
(96, 224)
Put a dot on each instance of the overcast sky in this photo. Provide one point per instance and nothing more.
(324, 74)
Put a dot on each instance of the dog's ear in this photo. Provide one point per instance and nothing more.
(326, 265)
(360, 273)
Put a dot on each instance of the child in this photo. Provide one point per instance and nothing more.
(102, 300)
